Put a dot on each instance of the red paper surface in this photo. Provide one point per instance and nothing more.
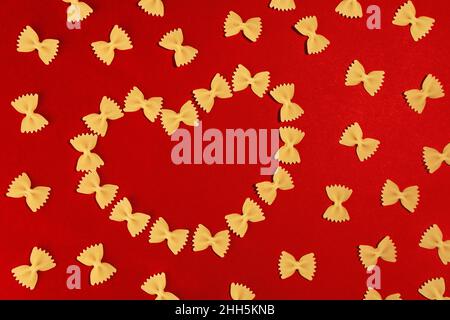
(137, 153)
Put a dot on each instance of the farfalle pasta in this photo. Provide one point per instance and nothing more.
(337, 212)
(136, 101)
(234, 24)
(287, 153)
(434, 289)
(431, 89)
(282, 5)
(316, 43)
(183, 54)
(98, 122)
(433, 159)
(156, 286)
(92, 257)
(27, 275)
(349, 9)
(29, 41)
(406, 15)
(123, 212)
(203, 239)
(371, 81)
(391, 194)
(372, 294)
(81, 10)
(85, 143)
(35, 197)
(176, 239)
(152, 7)
(27, 105)
(171, 120)
(240, 291)
(118, 40)
(219, 89)
(104, 194)
(432, 239)
(281, 180)
(385, 250)
(365, 147)
(242, 79)
(283, 94)
(251, 212)
(305, 266)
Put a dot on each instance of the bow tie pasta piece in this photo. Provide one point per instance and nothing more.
(283, 94)
(434, 289)
(282, 5)
(372, 294)
(391, 194)
(27, 105)
(288, 154)
(152, 7)
(349, 9)
(433, 239)
(288, 265)
(337, 212)
(118, 40)
(219, 243)
(78, 10)
(34, 197)
(173, 40)
(267, 191)
(27, 275)
(417, 98)
(104, 194)
(29, 41)
(385, 250)
(156, 286)
(136, 101)
(371, 81)
(136, 221)
(219, 89)
(433, 159)
(85, 143)
(176, 239)
(251, 212)
(316, 43)
(92, 257)
(406, 15)
(241, 292)
(171, 120)
(353, 136)
(259, 83)
(98, 122)
(234, 24)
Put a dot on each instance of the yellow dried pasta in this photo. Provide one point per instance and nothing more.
(433, 159)
(27, 105)
(35, 197)
(27, 275)
(385, 250)
(28, 41)
(203, 239)
(371, 81)
(433, 238)
(391, 194)
(240, 291)
(219, 89)
(104, 194)
(176, 239)
(406, 15)
(85, 143)
(431, 89)
(183, 54)
(337, 212)
(365, 147)
(281, 180)
(118, 40)
(98, 122)
(156, 286)
(316, 43)
(152, 7)
(171, 120)
(305, 266)
(251, 212)
(136, 221)
(92, 257)
(234, 24)
(136, 101)
(283, 94)
(242, 79)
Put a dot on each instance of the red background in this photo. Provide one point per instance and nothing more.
(137, 153)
